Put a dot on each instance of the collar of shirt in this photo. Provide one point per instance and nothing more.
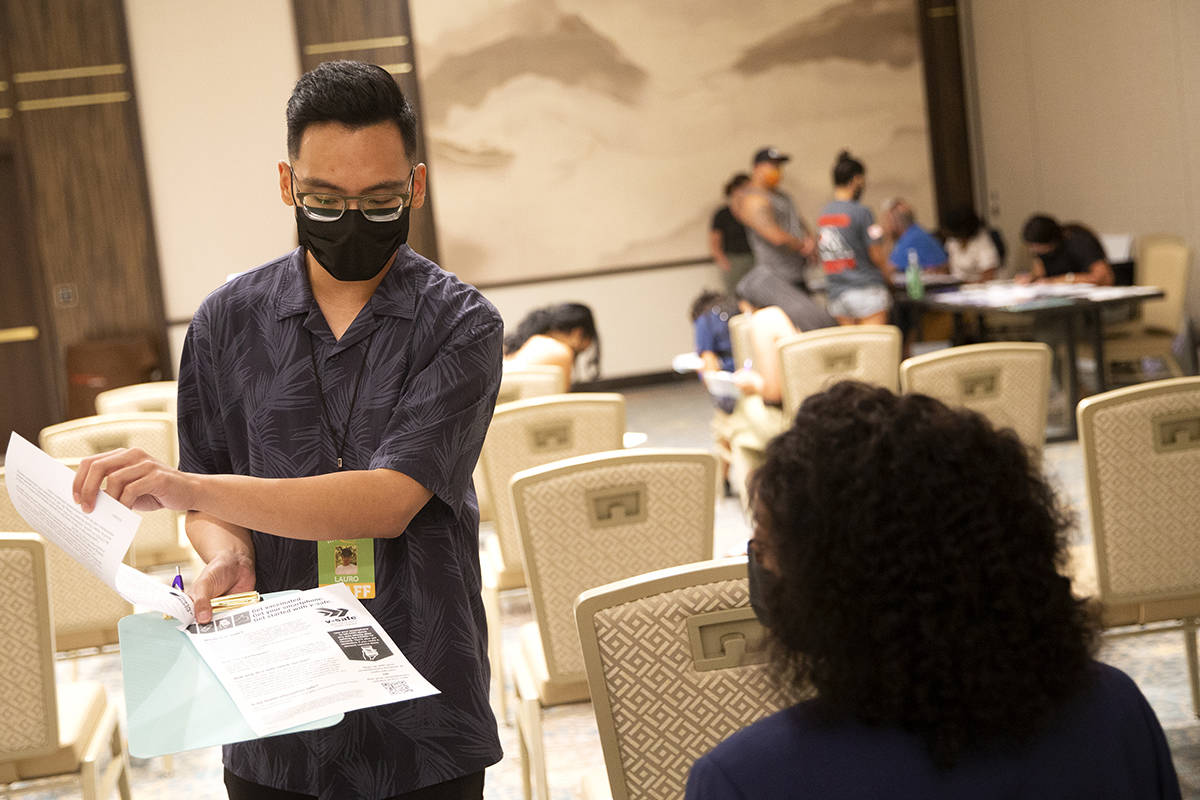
(394, 297)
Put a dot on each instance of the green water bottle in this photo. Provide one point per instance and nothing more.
(912, 277)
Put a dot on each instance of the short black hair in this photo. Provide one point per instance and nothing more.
(847, 168)
(1041, 229)
(937, 608)
(353, 94)
(739, 179)
(710, 300)
(962, 222)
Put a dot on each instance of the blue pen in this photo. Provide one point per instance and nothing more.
(177, 581)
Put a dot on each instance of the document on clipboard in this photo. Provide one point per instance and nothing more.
(40, 488)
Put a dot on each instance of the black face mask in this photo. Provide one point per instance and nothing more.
(352, 248)
(761, 582)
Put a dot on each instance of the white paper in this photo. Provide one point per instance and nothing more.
(296, 659)
(40, 488)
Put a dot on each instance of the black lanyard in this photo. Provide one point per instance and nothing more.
(326, 422)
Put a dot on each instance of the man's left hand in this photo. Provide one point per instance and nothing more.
(136, 480)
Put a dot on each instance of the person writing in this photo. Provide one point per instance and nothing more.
(948, 656)
(342, 391)
(1064, 253)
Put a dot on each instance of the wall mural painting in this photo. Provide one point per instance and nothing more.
(568, 136)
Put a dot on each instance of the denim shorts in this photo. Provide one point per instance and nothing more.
(861, 301)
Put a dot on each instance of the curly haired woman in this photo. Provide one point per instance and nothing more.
(905, 561)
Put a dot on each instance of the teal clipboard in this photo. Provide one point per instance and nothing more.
(173, 701)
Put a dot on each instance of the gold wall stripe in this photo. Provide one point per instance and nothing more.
(942, 11)
(398, 69)
(355, 44)
(73, 100)
(71, 72)
(26, 333)
(5, 113)
(3, 86)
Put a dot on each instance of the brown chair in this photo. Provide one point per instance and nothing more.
(676, 662)
(584, 522)
(1141, 451)
(50, 730)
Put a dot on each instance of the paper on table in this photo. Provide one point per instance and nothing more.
(291, 660)
(40, 488)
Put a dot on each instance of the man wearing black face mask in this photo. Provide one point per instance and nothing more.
(1064, 253)
(337, 398)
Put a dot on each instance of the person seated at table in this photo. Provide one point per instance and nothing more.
(857, 275)
(710, 327)
(555, 335)
(949, 657)
(971, 251)
(900, 225)
(1067, 253)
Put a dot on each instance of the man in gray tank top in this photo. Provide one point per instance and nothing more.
(778, 237)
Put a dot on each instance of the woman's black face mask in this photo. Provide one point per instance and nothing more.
(761, 583)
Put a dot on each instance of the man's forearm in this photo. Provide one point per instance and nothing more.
(373, 504)
(210, 536)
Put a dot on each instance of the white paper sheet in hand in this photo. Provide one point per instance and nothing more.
(40, 488)
(292, 660)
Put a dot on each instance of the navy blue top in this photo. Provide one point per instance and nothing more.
(929, 252)
(712, 335)
(430, 346)
(1106, 744)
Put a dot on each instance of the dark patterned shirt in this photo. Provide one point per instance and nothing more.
(428, 348)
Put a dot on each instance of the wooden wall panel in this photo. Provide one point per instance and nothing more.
(78, 143)
(379, 33)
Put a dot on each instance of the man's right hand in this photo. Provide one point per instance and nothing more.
(229, 572)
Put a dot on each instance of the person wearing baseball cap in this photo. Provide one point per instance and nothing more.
(780, 240)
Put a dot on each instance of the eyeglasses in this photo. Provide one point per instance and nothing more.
(325, 207)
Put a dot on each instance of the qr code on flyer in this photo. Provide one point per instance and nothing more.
(395, 687)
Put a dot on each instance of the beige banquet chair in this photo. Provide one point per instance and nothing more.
(157, 396)
(85, 611)
(676, 662)
(1007, 382)
(519, 383)
(588, 521)
(524, 434)
(1163, 261)
(63, 732)
(739, 339)
(159, 540)
(815, 360)
(1141, 460)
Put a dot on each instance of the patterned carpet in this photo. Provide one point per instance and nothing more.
(673, 415)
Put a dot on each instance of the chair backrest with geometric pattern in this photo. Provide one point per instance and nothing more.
(28, 694)
(676, 663)
(1164, 261)
(599, 518)
(84, 609)
(529, 433)
(535, 380)
(153, 432)
(157, 396)
(1141, 451)
(813, 361)
(1007, 382)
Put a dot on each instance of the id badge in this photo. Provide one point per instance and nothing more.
(348, 561)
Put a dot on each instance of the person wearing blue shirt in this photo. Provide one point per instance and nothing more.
(900, 224)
